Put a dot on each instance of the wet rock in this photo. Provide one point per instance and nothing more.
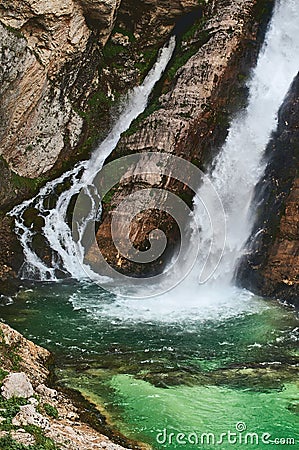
(17, 385)
(189, 120)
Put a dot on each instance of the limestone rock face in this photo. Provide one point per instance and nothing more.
(196, 83)
(157, 17)
(37, 39)
(60, 78)
(47, 51)
(17, 385)
(270, 266)
(100, 14)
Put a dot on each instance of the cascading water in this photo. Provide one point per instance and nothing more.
(235, 173)
(56, 229)
(240, 163)
(223, 375)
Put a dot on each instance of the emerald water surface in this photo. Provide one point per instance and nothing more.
(215, 368)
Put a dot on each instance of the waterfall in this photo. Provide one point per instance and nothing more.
(234, 173)
(240, 164)
(56, 229)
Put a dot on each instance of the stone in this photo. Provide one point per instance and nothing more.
(29, 416)
(33, 401)
(120, 39)
(46, 392)
(17, 385)
(22, 437)
(72, 416)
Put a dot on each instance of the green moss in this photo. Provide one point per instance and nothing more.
(51, 410)
(136, 123)
(148, 58)
(42, 442)
(24, 182)
(111, 50)
(125, 32)
(3, 374)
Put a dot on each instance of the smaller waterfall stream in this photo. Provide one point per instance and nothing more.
(56, 229)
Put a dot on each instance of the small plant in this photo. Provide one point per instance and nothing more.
(41, 441)
(51, 410)
(8, 443)
(3, 374)
(10, 408)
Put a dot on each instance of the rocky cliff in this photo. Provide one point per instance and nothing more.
(31, 412)
(270, 266)
(50, 64)
(202, 88)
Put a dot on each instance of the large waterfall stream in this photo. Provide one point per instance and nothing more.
(202, 358)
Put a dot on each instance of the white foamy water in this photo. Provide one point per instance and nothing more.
(240, 164)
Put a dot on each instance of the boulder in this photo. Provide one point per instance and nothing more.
(29, 416)
(17, 385)
(46, 392)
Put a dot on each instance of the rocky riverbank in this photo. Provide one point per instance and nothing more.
(31, 413)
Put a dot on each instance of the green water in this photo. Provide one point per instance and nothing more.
(167, 379)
